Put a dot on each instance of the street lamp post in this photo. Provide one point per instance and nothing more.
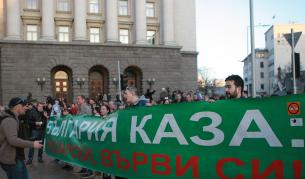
(119, 82)
(252, 49)
(293, 63)
(80, 82)
(151, 81)
(41, 82)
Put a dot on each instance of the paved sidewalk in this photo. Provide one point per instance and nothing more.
(47, 170)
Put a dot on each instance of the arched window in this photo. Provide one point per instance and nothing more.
(132, 77)
(98, 82)
(62, 88)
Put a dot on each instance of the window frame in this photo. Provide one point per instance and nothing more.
(31, 4)
(125, 8)
(33, 34)
(262, 64)
(149, 10)
(153, 39)
(65, 34)
(123, 35)
(262, 87)
(262, 75)
(59, 7)
(97, 7)
(96, 36)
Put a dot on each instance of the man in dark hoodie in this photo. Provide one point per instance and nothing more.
(132, 99)
(37, 120)
(11, 145)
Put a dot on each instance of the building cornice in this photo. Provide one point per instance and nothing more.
(26, 17)
(189, 53)
(77, 43)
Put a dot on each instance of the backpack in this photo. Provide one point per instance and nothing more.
(23, 131)
(3, 117)
(5, 114)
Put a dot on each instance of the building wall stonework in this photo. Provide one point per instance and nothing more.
(188, 63)
(1, 93)
(22, 63)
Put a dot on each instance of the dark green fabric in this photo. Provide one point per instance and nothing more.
(165, 157)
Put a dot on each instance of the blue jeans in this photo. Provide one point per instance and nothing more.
(36, 135)
(17, 171)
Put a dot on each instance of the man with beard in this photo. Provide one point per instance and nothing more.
(234, 87)
(11, 145)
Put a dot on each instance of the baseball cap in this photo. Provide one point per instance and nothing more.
(15, 101)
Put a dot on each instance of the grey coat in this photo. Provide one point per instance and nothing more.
(9, 139)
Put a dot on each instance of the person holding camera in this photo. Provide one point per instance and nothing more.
(37, 121)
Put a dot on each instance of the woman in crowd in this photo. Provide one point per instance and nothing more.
(104, 110)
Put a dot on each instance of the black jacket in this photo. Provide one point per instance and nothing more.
(34, 116)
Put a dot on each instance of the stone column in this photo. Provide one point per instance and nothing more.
(80, 15)
(112, 33)
(2, 20)
(48, 28)
(140, 21)
(13, 20)
(168, 22)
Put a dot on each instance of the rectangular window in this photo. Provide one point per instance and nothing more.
(93, 6)
(262, 64)
(123, 7)
(262, 86)
(94, 35)
(63, 5)
(32, 4)
(150, 9)
(151, 36)
(262, 74)
(124, 36)
(31, 32)
(63, 34)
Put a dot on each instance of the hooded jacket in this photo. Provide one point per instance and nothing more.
(141, 101)
(9, 139)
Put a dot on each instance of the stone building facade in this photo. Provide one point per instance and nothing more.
(65, 48)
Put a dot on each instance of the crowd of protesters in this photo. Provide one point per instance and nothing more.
(33, 116)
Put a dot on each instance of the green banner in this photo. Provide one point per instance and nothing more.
(245, 138)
